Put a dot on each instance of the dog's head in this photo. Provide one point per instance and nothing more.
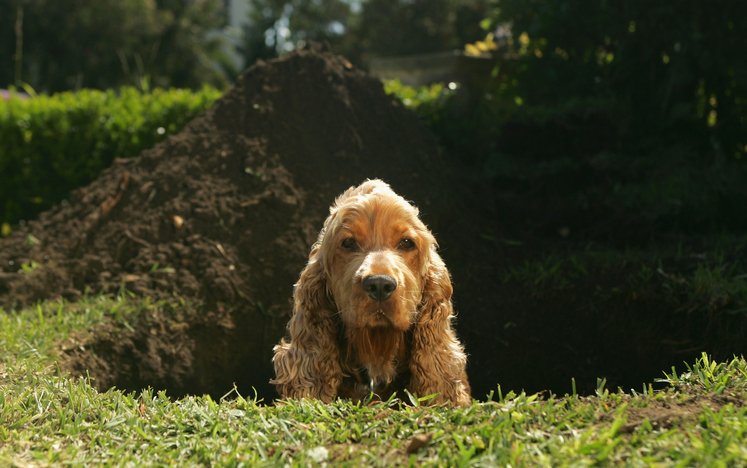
(374, 274)
(375, 252)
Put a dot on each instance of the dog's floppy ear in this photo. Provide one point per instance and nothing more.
(308, 364)
(438, 363)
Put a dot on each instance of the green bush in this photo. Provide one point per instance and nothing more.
(636, 110)
(656, 73)
(61, 45)
(50, 145)
(465, 121)
(429, 102)
(572, 79)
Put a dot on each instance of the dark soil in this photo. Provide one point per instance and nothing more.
(223, 214)
(668, 413)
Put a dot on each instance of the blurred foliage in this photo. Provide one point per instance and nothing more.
(191, 51)
(643, 74)
(627, 116)
(53, 144)
(644, 104)
(277, 26)
(480, 48)
(55, 45)
(403, 27)
(414, 97)
(434, 104)
(362, 29)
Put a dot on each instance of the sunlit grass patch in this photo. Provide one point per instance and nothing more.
(38, 330)
(51, 418)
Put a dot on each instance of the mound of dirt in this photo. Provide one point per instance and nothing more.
(223, 214)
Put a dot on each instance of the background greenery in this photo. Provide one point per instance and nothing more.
(53, 144)
(583, 78)
(363, 29)
(631, 109)
(634, 75)
(55, 45)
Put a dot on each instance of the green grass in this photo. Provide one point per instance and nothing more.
(553, 272)
(690, 280)
(49, 418)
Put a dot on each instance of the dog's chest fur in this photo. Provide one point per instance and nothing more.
(374, 361)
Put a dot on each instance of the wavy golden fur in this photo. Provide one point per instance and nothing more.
(372, 308)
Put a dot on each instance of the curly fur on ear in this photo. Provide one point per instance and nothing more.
(308, 366)
(438, 362)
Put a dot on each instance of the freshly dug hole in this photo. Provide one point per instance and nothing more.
(550, 337)
(179, 349)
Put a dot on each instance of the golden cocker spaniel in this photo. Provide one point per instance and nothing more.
(372, 308)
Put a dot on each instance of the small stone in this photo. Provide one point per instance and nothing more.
(318, 454)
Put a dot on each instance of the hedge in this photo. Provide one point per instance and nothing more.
(50, 145)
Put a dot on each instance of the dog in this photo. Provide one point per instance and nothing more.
(372, 309)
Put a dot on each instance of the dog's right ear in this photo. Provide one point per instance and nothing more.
(308, 365)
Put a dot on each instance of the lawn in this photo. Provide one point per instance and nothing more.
(48, 417)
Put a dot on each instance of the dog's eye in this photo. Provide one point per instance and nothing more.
(406, 244)
(349, 244)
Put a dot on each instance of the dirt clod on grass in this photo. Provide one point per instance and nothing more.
(665, 413)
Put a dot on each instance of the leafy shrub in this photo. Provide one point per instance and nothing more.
(662, 73)
(59, 45)
(50, 145)
(466, 121)
(639, 109)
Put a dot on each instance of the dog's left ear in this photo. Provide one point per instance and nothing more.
(438, 363)
(437, 291)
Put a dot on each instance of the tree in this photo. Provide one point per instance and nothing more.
(399, 27)
(69, 44)
(671, 70)
(189, 51)
(363, 29)
(277, 26)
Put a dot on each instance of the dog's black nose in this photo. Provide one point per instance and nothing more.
(379, 287)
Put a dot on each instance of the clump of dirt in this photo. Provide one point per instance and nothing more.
(223, 214)
(670, 411)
